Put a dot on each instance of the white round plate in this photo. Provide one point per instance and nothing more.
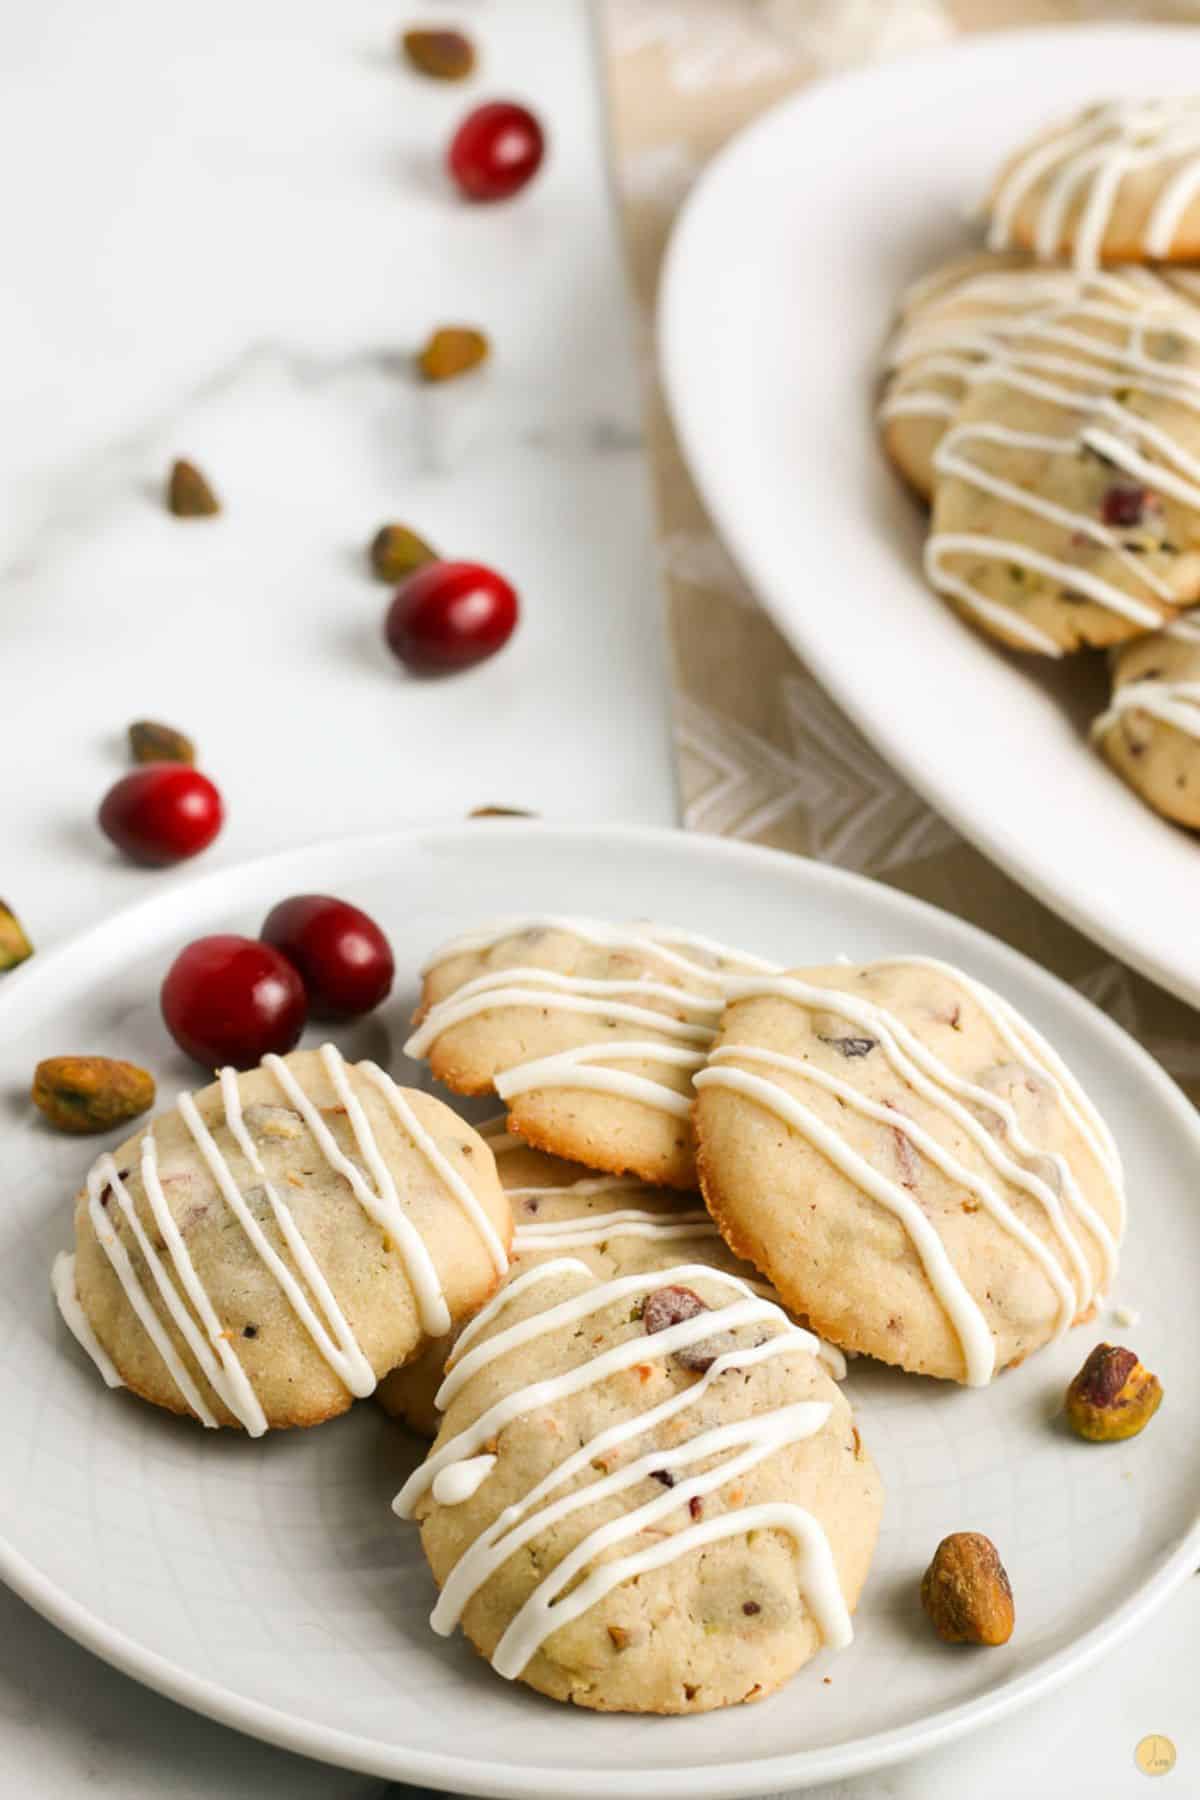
(779, 287)
(267, 1583)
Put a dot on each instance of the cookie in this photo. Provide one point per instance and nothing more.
(647, 1494)
(1067, 487)
(949, 323)
(962, 316)
(909, 1163)
(263, 1253)
(1117, 182)
(613, 1223)
(1151, 732)
(589, 1032)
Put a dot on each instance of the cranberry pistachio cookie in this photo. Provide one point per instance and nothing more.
(949, 323)
(589, 1032)
(1117, 182)
(613, 1223)
(1067, 487)
(1151, 731)
(647, 1494)
(263, 1253)
(909, 1163)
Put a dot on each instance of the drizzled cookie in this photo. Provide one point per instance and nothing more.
(949, 323)
(589, 1032)
(1067, 485)
(263, 1253)
(1151, 731)
(613, 1223)
(909, 1163)
(1117, 182)
(647, 1494)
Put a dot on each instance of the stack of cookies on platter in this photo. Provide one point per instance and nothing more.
(1043, 397)
(891, 1147)
(646, 1489)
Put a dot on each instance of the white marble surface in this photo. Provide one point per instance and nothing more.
(224, 234)
(224, 239)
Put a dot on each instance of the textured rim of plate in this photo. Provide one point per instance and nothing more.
(703, 456)
(43, 979)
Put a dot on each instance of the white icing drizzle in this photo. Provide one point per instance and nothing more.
(583, 1066)
(937, 1083)
(1091, 155)
(461, 1367)
(1176, 703)
(512, 1289)
(668, 1224)
(382, 1204)
(441, 1165)
(457, 1483)
(544, 1612)
(641, 935)
(922, 1070)
(1034, 331)
(1029, 1046)
(994, 611)
(945, 336)
(1126, 1315)
(978, 314)
(345, 1357)
(747, 1442)
(586, 1066)
(971, 1328)
(567, 993)
(622, 1356)
(478, 1561)
(226, 1376)
(595, 1228)
(587, 1187)
(901, 1203)
(191, 1310)
(62, 1282)
(1175, 700)
(104, 1176)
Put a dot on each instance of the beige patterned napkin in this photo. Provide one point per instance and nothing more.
(763, 753)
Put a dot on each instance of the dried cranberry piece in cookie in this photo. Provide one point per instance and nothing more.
(699, 1358)
(670, 1306)
(1124, 504)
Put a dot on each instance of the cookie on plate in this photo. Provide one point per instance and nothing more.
(1116, 182)
(1151, 732)
(909, 1163)
(647, 1494)
(949, 323)
(613, 1223)
(1067, 488)
(261, 1254)
(589, 1032)
(965, 314)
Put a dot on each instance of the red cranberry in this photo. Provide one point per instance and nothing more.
(496, 150)
(231, 999)
(668, 1306)
(448, 615)
(342, 957)
(162, 813)
(1123, 504)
